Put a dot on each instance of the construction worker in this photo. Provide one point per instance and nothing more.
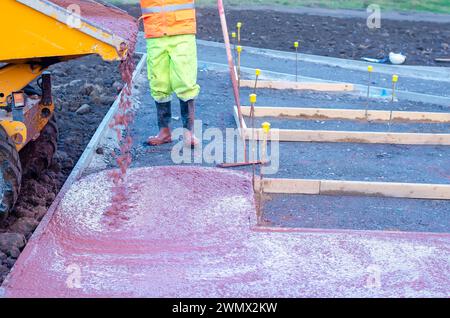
(170, 29)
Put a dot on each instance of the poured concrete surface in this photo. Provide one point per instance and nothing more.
(191, 232)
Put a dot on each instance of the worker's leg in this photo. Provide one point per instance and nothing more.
(183, 78)
(184, 110)
(158, 67)
(164, 114)
(188, 117)
(183, 66)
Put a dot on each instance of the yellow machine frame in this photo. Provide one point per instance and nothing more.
(40, 37)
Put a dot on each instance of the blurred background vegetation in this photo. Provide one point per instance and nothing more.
(436, 6)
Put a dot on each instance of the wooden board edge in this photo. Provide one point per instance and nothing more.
(347, 114)
(315, 86)
(291, 135)
(356, 188)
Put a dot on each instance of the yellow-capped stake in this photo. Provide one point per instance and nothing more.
(253, 98)
(239, 26)
(370, 70)
(266, 127)
(233, 35)
(395, 78)
(258, 72)
(296, 60)
(239, 49)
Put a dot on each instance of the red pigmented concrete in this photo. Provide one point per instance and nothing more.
(189, 232)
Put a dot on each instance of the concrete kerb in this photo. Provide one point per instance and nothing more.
(360, 90)
(441, 74)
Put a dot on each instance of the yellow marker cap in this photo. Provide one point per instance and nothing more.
(265, 126)
(239, 25)
(253, 98)
(233, 34)
(296, 44)
(370, 68)
(258, 72)
(239, 48)
(395, 78)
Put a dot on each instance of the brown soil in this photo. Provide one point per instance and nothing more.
(328, 36)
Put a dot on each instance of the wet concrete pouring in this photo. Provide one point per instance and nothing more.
(83, 91)
(161, 244)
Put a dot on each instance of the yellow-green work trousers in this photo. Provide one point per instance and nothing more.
(172, 67)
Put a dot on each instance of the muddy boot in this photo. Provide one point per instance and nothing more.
(164, 112)
(188, 118)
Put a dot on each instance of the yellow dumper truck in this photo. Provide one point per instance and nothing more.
(35, 35)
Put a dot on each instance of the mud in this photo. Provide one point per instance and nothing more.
(169, 247)
(328, 36)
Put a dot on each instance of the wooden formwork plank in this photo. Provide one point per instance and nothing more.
(351, 137)
(346, 114)
(325, 87)
(421, 117)
(386, 189)
(358, 188)
(289, 186)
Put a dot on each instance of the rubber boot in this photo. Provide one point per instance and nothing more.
(164, 113)
(188, 117)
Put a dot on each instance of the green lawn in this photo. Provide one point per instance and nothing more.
(437, 6)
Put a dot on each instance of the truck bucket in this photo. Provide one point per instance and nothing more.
(58, 30)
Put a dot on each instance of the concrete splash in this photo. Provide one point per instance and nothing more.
(190, 232)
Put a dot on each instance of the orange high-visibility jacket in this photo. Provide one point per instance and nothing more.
(168, 17)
